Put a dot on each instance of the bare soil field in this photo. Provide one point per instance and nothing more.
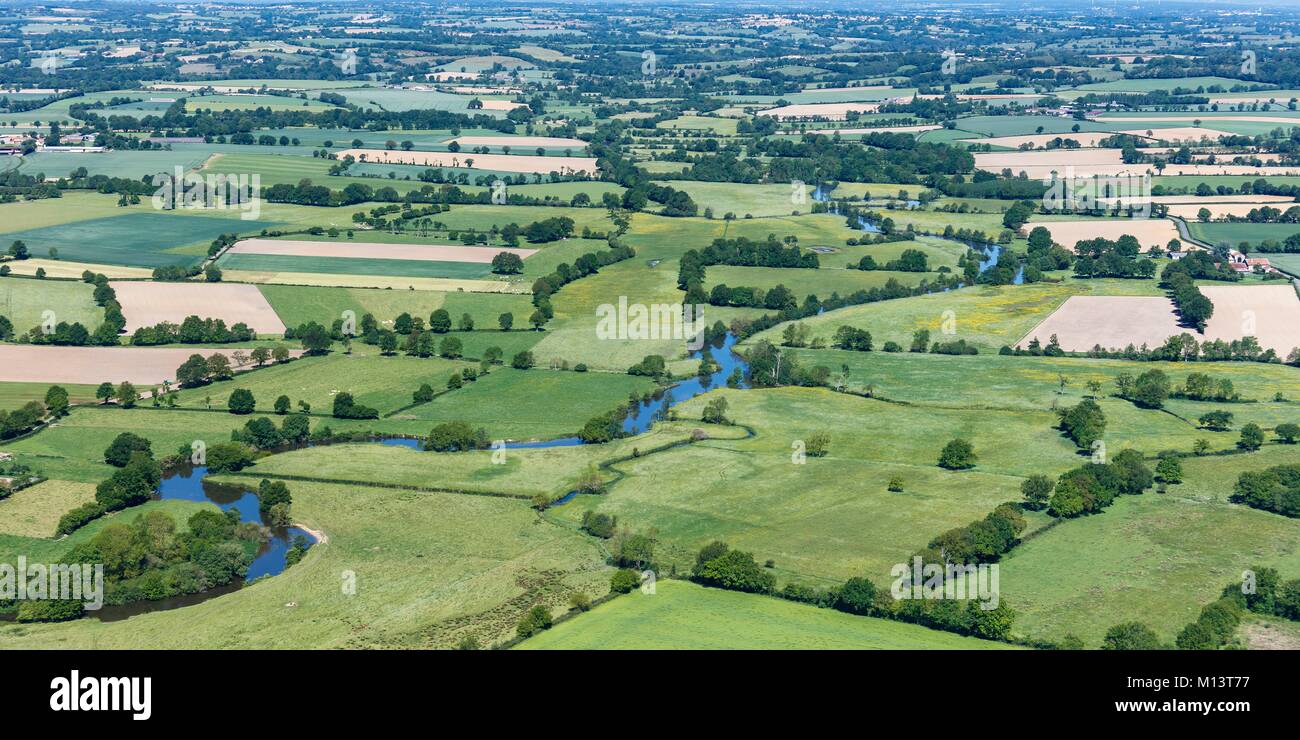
(376, 250)
(147, 304)
(830, 111)
(1111, 321)
(1149, 231)
(334, 280)
(143, 366)
(1085, 139)
(519, 142)
(1189, 211)
(501, 104)
(1181, 133)
(1104, 162)
(499, 162)
(1271, 313)
(1195, 117)
(889, 130)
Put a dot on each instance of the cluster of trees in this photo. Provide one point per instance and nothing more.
(1204, 387)
(346, 407)
(193, 330)
(147, 559)
(778, 298)
(852, 338)
(130, 484)
(587, 264)
(27, 417)
(769, 367)
(1092, 487)
(546, 230)
(909, 260)
(456, 436)
(1148, 390)
(1084, 423)
(1103, 258)
(982, 541)
(1275, 489)
(1178, 348)
(261, 433)
(1193, 305)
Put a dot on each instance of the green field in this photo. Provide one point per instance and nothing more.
(524, 404)
(1235, 234)
(299, 304)
(430, 570)
(352, 266)
(24, 302)
(683, 616)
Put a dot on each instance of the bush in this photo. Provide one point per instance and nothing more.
(1130, 636)
(623, 581)
(123, 445)
(535, 620)
(957, 455)
(736, 571)
(241, 401)
(856, 596)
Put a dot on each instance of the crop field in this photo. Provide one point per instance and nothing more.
(494, 162)
(1151, 232)
(684, 616)
(279, 263)
(988, 316)
(1236, 234)
(135, 237)
(148, 304)
(296, 305)
(25, 303)
(146, 366)
(1270, 313)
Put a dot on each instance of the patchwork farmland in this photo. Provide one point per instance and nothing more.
(706, 328)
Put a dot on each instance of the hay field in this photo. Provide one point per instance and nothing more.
(375, 250)
(499, 162)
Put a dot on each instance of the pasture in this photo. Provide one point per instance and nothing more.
(683, 616)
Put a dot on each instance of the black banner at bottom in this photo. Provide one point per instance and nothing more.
(172, 689)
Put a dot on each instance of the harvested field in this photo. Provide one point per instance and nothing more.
(1041, 165)
(375, 250)
(501, 104)
(63, 269)
(1189, 211)
(1085, 138)
(1194, 117)
(143, 366)
(831, 111)
(889, 130)
(499, 162)
(518, 141)
(1111, 321)
(1270, 313)
(147, 304)
(1150, 232)
(374, 281)
(1180, 133)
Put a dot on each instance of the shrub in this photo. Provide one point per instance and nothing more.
(957, 455)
